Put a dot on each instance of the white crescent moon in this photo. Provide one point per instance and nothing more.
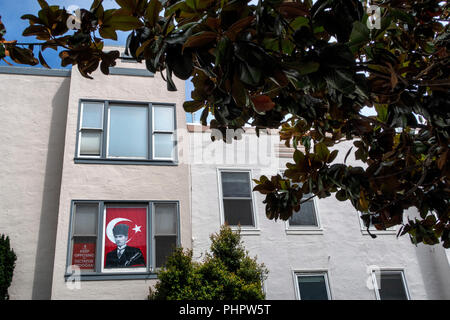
(110, 226)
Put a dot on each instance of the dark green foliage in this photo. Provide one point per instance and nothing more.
(309, 69)
(7, 264)
(226, 273)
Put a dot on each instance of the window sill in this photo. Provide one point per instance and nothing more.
(379, 232)
(248, 232)
(305, 231)
(110, 276)
(126, 161)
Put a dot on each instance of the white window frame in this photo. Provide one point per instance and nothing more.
(389, 270)
(390, 231)
(310, 273)
(245, 229)
(304, 229)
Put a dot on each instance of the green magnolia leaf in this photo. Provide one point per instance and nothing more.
(192, 106)
(42, 61)
(359, 37)
(108, 32)
(124, 22)
(2, 51)
(152, 12)
(200, 39)
(299, 157)
(43, 4)
(321, 150)
(22, 56)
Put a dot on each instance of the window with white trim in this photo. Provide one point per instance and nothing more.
(374, 220)
(110, 130)
(114, 238)
(236, 198)
(306, 217)
(312, 286)
(390, 285)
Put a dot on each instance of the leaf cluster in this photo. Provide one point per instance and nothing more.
(310, 70)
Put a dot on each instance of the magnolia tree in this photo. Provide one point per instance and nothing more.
(308, 68)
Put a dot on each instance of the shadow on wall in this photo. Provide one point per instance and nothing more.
(435, 270)
(45, 252)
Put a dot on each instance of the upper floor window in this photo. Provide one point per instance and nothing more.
(390, 285)
(121, 238)
(312, 286)
(237, 202)
(306, 217)
(126, 131)
(374, 219)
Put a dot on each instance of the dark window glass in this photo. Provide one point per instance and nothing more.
(392, 287)
(312, 287)
(164, 246)
(305, 217)
(238, 212)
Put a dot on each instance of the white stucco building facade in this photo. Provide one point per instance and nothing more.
(66, 170)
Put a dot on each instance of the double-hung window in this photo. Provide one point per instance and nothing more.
(132, 132)
(374, 219)
(312, 286)
(306, 218)
(390, 285)
(237, 202)
(121, 239)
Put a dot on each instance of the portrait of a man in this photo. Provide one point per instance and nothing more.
(123, 256)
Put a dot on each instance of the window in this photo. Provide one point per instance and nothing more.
(307, 217)
(390, 285)
(121, 238)
(312, 286)
(372, 229)
(133, 132)
(237, 202)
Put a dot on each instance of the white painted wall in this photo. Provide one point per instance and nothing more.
(32, 127)
(342, 248)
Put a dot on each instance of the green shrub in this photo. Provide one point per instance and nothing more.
(7, 264)
(226, 273)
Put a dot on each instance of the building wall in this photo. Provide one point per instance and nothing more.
(116, 182)
(341, 248)
(32, 131)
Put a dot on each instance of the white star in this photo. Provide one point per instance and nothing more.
(137, 228)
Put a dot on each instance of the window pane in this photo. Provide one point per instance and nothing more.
(305, 217)
(83, 253)
(238, 212)
(163, 145)
(312, 287)
(236, 184)
(164, 246)
(92, 115)
(165, 216)
(163, 118)
(85, 219)
(391, 287)
(128, 131)
(90, 143)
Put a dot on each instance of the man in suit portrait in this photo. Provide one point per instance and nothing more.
(123, 256)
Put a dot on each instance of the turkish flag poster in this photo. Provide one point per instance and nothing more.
(125, 242)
